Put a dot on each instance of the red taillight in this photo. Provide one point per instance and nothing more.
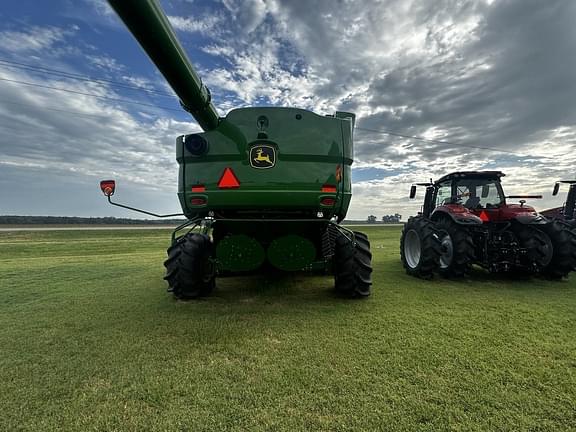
(327, 201)
(198, 188)
(328, 188)
(198, 201)
(108, 187)
(228, 180)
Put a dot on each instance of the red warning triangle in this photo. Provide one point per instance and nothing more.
(484, 216)
(228, 180)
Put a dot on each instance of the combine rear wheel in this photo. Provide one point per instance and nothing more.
(457, 249)
(420, 247)
(189, 268)
(539, 249)
(564, 244)
(352, 265)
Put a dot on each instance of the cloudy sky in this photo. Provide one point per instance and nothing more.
(489, 84)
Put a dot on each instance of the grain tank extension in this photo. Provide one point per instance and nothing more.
(265, 186)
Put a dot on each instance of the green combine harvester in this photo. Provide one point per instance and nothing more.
(264, 187)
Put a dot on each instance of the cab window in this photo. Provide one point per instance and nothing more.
(444, 194)
(478, 193)
(489, 193)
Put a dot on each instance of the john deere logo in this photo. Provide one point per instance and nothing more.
(262, 156)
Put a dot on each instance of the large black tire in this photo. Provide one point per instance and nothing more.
(190, 270)
(420, 247)
(352, 266)
(457, 249)
(563, 239)
(537, 244)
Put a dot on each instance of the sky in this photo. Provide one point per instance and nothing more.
(485, 84)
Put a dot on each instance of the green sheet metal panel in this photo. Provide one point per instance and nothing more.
(309, 152)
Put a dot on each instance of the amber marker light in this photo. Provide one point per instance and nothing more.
(328, 188)
(108, 187)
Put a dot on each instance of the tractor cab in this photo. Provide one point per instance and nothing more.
(473, 192)
(474, 197)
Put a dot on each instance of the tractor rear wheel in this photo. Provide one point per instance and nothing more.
(539, 249)
(420, 247)
(190, 271)
(352, 265)
(457, 249)
(564, 244)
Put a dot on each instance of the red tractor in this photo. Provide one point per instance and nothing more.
(466, 220)
(567, 212)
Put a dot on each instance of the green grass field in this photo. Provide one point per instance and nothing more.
(90, 340)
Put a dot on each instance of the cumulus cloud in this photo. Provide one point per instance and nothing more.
(205, 24)
(101, 7)
(105, 63)
(248, 13)
(33, 39)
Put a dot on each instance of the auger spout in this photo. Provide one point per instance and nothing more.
(151, 28)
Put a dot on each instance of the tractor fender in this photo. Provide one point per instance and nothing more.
(459, 214)
(531, 219)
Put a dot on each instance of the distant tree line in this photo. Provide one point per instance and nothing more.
(395, 218)
(71, 220)
(68, 220)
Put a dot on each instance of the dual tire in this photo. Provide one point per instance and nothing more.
(420, 247)
(457, 249)
(538, 245)
(352, 265)
(563, 239)
(190, 270)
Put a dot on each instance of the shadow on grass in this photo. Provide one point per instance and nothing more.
(511, 276)
(278, 287)
(244, 307)
(480, 278)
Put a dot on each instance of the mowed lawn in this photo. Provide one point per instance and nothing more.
(90, 340)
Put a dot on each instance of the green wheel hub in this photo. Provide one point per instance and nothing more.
(239, 252)
(291, 253)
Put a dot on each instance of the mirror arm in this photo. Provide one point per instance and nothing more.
(142, 211)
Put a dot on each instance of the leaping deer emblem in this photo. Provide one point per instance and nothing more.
(260, 158)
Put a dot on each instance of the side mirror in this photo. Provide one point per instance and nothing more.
(556, 189)
(108, 187)
(412, 191)
(485, 191)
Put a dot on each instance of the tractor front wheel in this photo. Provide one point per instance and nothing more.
(190, 271)
(420, 247)
(457, 249)
(352, 265)
(564, 244)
